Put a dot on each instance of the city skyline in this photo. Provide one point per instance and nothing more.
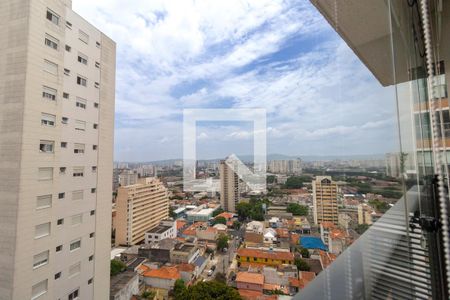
(271, 55)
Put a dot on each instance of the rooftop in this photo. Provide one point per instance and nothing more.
(163, 273)
(246, 252)
(159, 229)
(119, 281)
(247, 277)
(312, 242)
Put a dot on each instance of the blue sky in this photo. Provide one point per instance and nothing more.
(278, 55)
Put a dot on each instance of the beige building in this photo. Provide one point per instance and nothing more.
(57, 86)
(291, 166)
(229, 187)
(365, 214)
(140, 207)
(325, 194)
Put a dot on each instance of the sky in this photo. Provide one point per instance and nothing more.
(281, 56)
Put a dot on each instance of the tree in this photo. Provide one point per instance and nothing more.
(218, 212)
(116, 267)
(222, 242)
(220, 277)
(208, 291)
(271, 179)
(301, 264)
(148, 295)
(220, 220)
(171, 212)
(296, 182)
(179, 288)
(361, 228)
(304, 252)
(297, 209)
(236, 225)
(243, 210)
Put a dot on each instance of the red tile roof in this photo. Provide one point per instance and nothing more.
(250, 295)
(247, 277)
(327, 225)
(163, 273)
(246, 252)
(180, 224)
(185, 267)
(226, 215)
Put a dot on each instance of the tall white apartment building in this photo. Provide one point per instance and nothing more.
(57, 83)
(229, 187)
(292, 166)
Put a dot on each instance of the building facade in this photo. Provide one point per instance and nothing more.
(140, 207)
(229, 187)
(291, 166)
(57, 87)
(167, 229)
(325, 194)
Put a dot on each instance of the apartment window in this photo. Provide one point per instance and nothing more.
(45, 173)
(78, 171)
(91, 258)
(80, 125)
(83, 36)
(91, 235)
(94, 169)
(94, 147)
(90, 281)
(68, 25)
(81, 103)
(40, 259)
(68, 48)
(93, 190)
(39, 289)
(61, 195)
(74, 245)
(95, 126)
(46, 146)
(57, 275)
(97, 64)
(48, 120)
(95, 104)
(49, 93)
(97, 85)
(62, 170)
(64, 120)
(50, 67)
(97, 44)
(74, 294)
(66, 72)
(51, 41)
(41, 230)
(82, 58)
(59, 248)
(60, 222)
(63, 144)
(66, 95)
(78, 195)
(77, 219)
(81, 80)
(52, 17)
(92, 212)
(44, 201)
(78, 149)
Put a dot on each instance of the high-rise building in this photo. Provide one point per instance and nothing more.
(140, 207)
(229, 187)
(292, 166)
(128, 177)
(57, 86)
(325, 194)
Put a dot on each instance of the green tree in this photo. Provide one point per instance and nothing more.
(304, 252)
(361, 228)
(296, 182)
(301, 265)
(243, 210)
(116, 267)
(270, 179)
(222, 242)
(218, 212)
(236, 225)
(171, 213)
(210, 290)
(148, 295)
(220, 220)
(220, 277)
(179, 288)
(297, 209)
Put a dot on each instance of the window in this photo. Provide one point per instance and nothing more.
(80, 125)
(44, 201)
(97, 44)
(81, 80)
(41, 230)
(82, 58)
(61, 195)
(62, 170)
(95, 104)
(64, 120)
(50, 67)
(78, 195)
(68, 25)
(78, 171)
(60, 222)
(52, 17)
(94, 147)
(92, 212)
(40, 259)
(90, 281)
(46, 146)
(57, 275)
(68, 48)
(66, 72)
(51, 42)
(97, 64)
(78, 148)
(39, 289)
(93, 190)
(91, 235)
(94, 169)
(63, 144)
(66, 95)
(81, 103)
(91, 258)
(83, 36)
(59, 248)
(48, 120)
(77, 219)
(74, 245)
(45, 173)
(97, 85)
(49, 93)
(74, 294)
(95, 126)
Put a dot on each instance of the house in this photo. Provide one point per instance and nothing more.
(270, 236)
(187, 272)
(124, 285)
(255, 226)
(158, 252)
(274, 222)
(206, 233)
(166, 229)
(200, 264)
(264, 257)
(162, 278)
(250, 281)
(184, 253)
(253, 239)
